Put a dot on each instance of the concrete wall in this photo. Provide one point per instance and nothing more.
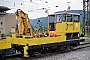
(2, 23)
(10, 21)
(7, 22)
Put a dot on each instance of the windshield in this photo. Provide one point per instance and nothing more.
(52, 17)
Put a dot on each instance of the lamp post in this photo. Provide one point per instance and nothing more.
(40, 25)
(68, 9)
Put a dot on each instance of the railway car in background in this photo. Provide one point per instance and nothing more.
(63, 33)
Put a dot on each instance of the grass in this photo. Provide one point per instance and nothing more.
(87, 40)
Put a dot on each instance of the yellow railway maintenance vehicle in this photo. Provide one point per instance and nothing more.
(5, 47)
(63, 33)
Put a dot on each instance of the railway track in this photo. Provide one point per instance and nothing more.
(50, 53)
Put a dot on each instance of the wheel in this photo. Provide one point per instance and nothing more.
(22, 52)
(2, 57)
(30, 53)
(61, 48)
(37, 52)
(72, 47)
(68, 47)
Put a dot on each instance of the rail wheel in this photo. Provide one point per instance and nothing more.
(2, 57)
(62, 48)
(37, 52)
(22, 52)
(72, 47)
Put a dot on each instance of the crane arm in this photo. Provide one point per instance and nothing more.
(24, 26)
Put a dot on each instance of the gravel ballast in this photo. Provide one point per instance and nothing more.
(81, 54)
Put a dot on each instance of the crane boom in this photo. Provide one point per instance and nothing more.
(24, 26)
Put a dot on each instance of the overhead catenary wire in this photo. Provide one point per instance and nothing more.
(14, 5)
(21, 4)
(28, 4)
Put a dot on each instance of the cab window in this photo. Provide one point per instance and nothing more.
(52, 22)
(69, 18)
(59, 18)
(52, 17)
(76, 18)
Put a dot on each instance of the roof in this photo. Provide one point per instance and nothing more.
(3, 8)
(2, 13)
(64, 13)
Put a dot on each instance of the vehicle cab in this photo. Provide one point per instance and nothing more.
(65, 23)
